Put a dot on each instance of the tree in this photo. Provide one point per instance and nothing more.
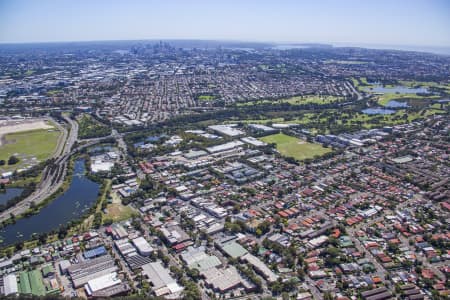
(13, 160)
(2, 162)
(193, 273)
(191, 291)
(97, 220)
(42, 238)
(19, 246)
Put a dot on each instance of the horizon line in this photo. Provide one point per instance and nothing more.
(363, 45)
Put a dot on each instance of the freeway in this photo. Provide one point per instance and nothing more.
(351, 87)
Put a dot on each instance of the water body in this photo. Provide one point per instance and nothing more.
(378, 111)
(77, 200)
(9, 194)
(100, 149)
(396, 104)
(400, 89)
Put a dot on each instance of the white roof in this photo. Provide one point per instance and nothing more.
(102, 282)
(224, 147)
(64, 264)
(157, 275)
(253, 141)
(268, 274)
(222, 279)
(98, 166)
(142, 245)
(10, 284)
(261, 127)
(226, 129)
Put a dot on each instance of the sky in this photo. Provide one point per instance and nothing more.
(382, 22)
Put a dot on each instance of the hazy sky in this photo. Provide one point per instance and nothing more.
(389, 22)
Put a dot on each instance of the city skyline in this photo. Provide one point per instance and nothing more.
(344, 23)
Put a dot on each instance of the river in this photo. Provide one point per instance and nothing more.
(73, 203)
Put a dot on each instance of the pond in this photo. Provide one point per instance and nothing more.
(72, 204)
(9, 194)
(378, 111)
(396, 104)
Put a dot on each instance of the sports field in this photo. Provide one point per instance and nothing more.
(116, 211)
(293, 147)
(30, 146)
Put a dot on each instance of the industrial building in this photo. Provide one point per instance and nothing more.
(101, 283)
(262, 128)
(222, 280)
(96, 252)
(142, 246)
(253, 141)
(224, 147)
(64, 266)
(197, 258)
(227, 130)
(83, 272)
(159, 277)
(9, 286)
(260, 267)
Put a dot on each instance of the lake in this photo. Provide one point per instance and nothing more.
(9, 194)
(378, 111)
(400, 89)
(72, 204)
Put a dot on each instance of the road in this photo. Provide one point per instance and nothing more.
(120, 141)
(351, 87)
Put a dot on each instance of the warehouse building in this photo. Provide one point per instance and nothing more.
(96, 252)
(224, 147)
(380, 293)
(163, 284)
(227, 130)
(101, 283)
(233, 249)
(64, 266)
(10, 285)
(260, 267)
(262, 128)
(88, 270)
(253, 141)
(142, 246)
(196, 258)
(222, 280)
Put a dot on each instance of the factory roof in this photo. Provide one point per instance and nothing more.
(102, 282)
(233, 249)
(10, 284)
(95, 252)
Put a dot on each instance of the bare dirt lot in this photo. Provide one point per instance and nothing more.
(13, 126)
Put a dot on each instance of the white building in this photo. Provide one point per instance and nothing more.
(101, 283)
(10, 285)
(228, 130)
(142, 246)
(162, 282)
(101, 166)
